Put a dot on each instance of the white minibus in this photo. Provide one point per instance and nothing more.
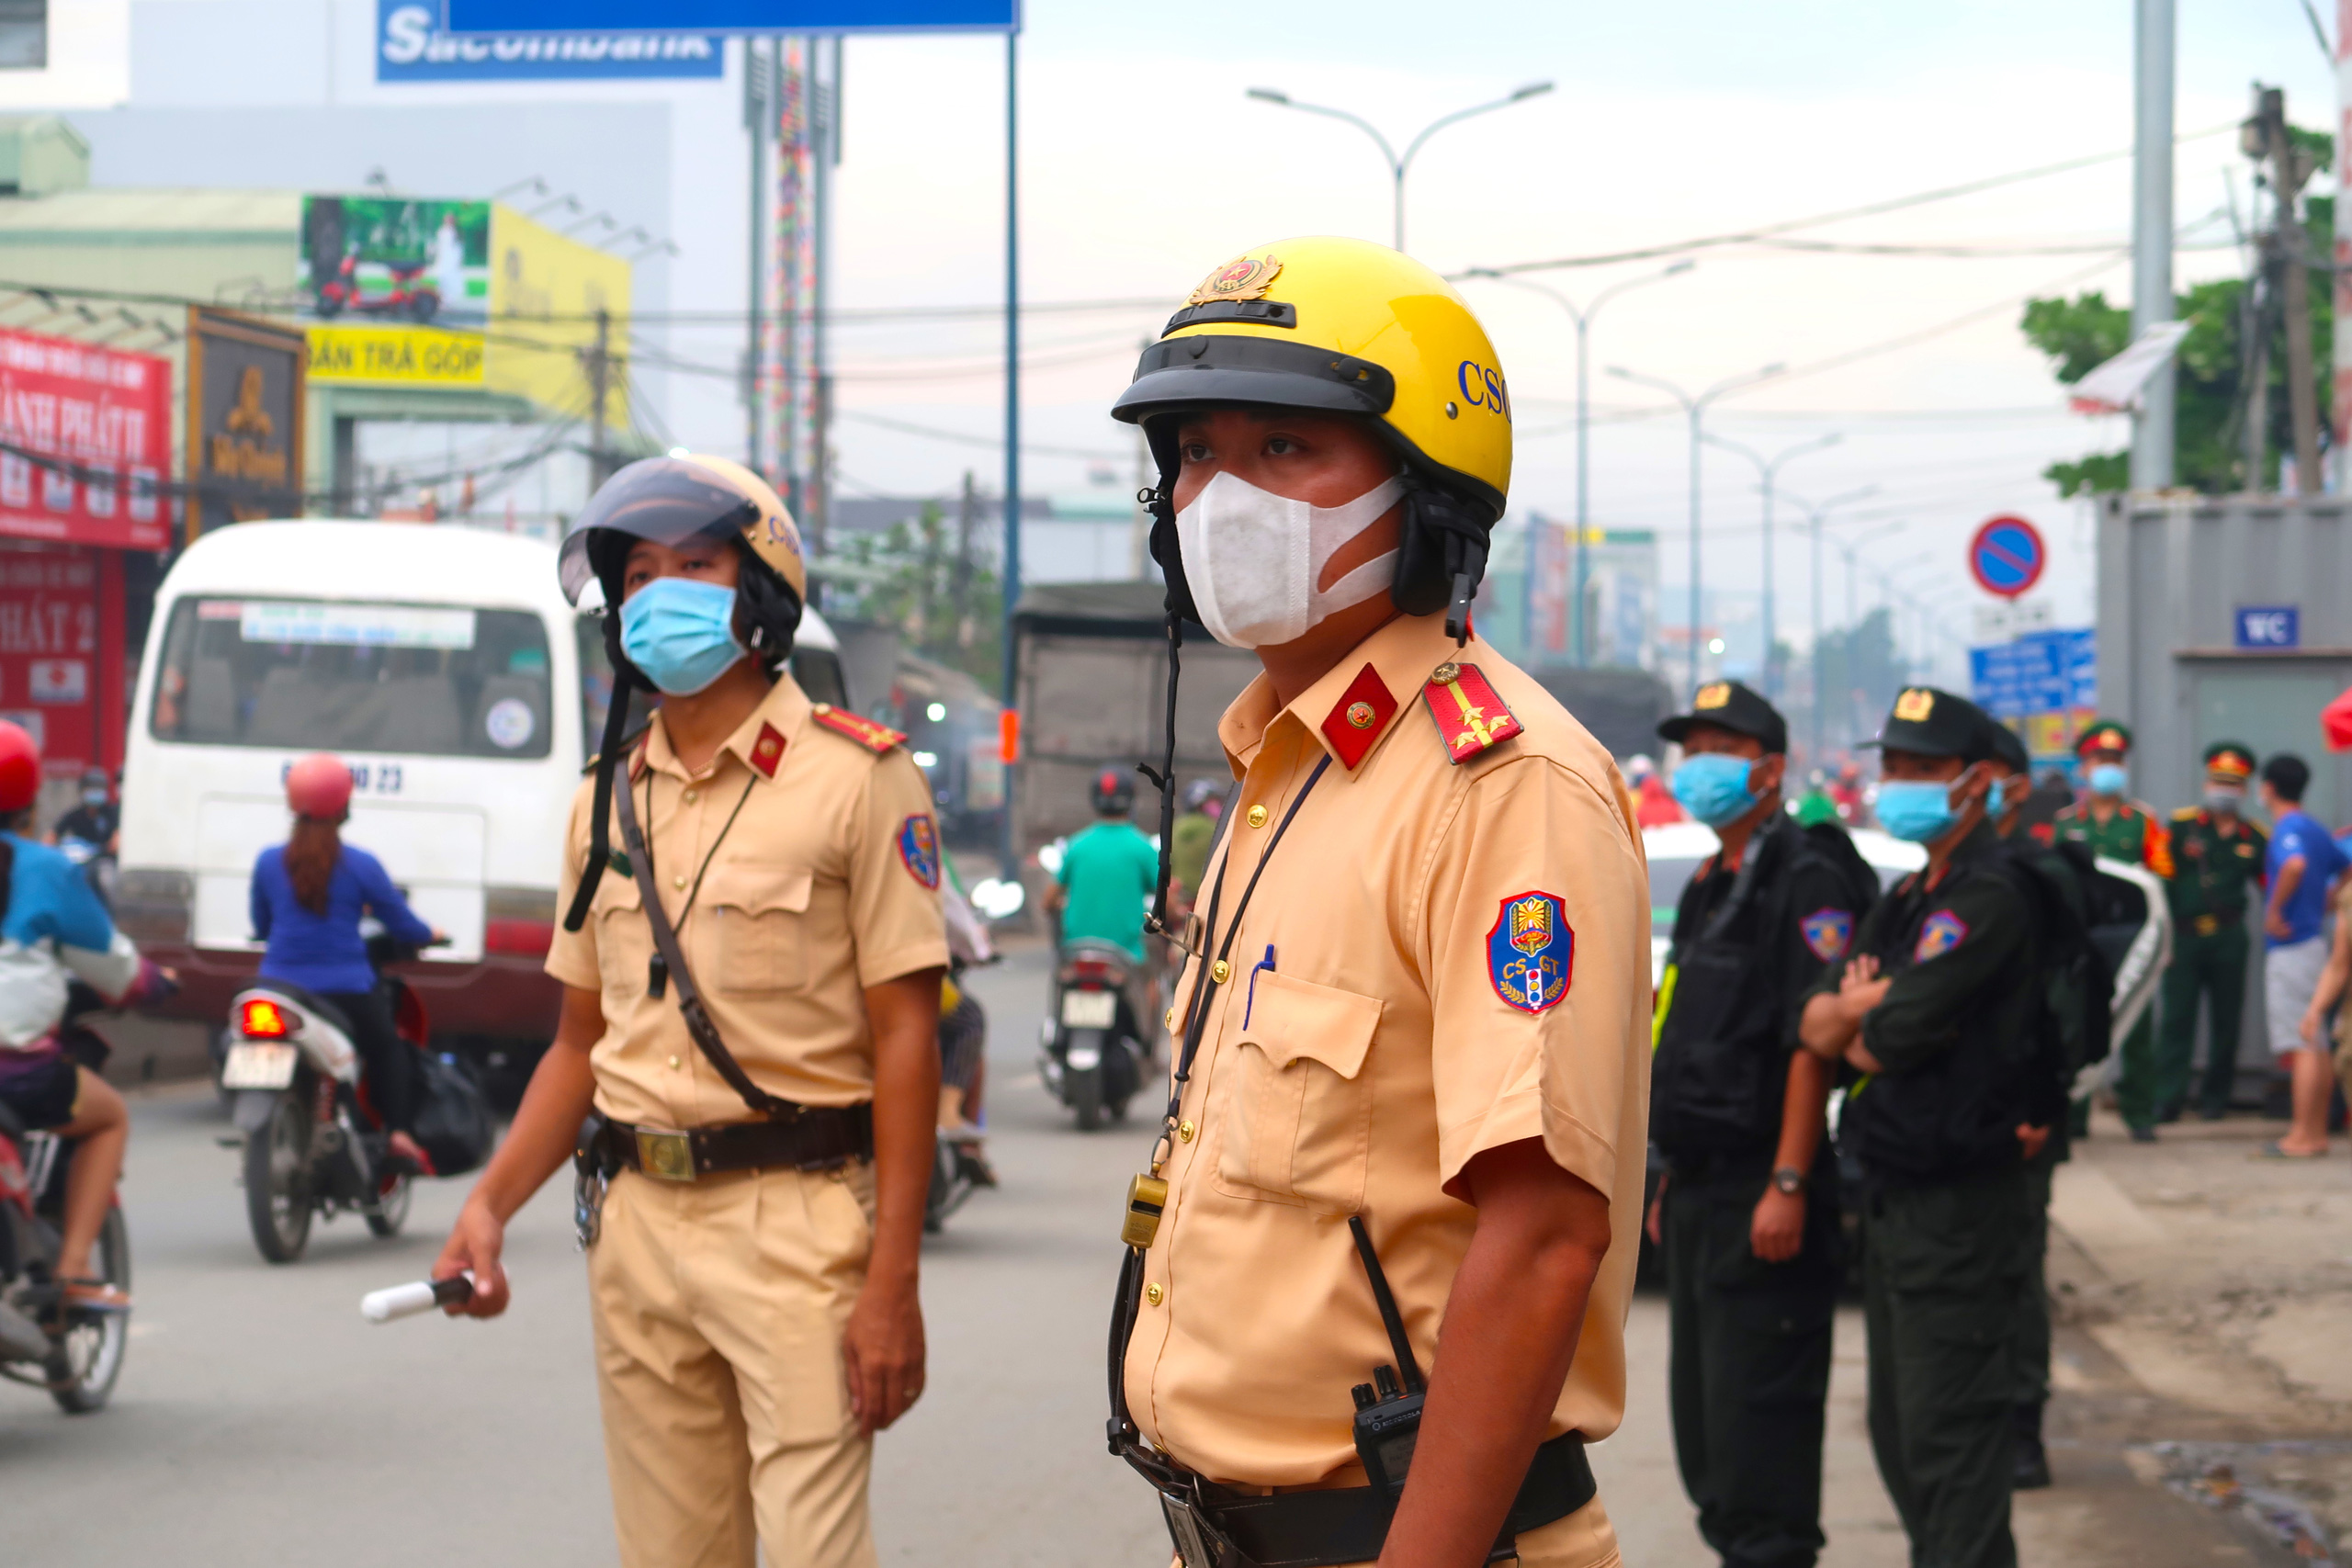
(442, 664)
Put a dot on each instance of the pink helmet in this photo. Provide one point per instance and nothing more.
(319, 785)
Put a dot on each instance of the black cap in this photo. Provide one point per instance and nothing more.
(1935, 723)
(2006, 747)
(1729, 705)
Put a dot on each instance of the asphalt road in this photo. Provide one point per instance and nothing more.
(260, 1419)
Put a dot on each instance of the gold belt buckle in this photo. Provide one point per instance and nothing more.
(665, 1157)
(2208, 924)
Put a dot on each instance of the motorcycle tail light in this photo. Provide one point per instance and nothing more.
(1089, 971)
(261, 1019)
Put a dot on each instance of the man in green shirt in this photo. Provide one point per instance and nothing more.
(1103, 888)
(2219, 854)
(1193, 837)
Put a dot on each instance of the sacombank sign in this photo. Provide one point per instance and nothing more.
(412, 47)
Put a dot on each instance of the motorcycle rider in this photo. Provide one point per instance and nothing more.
(307, 896)
(54, 931)
(1105, 886)
(1193, 838)
(96, 819)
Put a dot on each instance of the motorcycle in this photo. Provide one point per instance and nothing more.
(97, 864)
(1095, 1054)
(408, 297)
(46, 1342)
(313, 1144)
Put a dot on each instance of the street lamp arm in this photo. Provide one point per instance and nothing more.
(1740, 383)
(1762, 465)
(1531, 90)
(1669, 388)
(1396, 165)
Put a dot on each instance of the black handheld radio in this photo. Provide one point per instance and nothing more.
(1388, 1408)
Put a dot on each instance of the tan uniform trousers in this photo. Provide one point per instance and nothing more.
(719, 1306)
(1582, 1540)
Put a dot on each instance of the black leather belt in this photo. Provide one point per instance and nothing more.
(1216, 1526)
(817, 1137)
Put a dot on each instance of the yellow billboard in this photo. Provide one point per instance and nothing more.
(544, 293)
(371, 355)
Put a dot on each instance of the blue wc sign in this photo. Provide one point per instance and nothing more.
(2262, 628)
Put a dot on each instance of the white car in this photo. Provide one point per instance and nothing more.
(1676, 849)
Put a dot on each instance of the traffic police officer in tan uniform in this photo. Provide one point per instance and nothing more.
(1399, 1180)
(757, 1045)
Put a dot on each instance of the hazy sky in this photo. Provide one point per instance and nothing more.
(1143, 165)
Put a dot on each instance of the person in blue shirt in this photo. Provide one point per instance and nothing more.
(308, 896)
(2301, 867)
(54, 931)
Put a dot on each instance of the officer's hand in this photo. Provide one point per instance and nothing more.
(1777, 1233)
(1859, 1057)
(475, 1241)
(883, 1352)
(2033, 1139)
(1653, 1222)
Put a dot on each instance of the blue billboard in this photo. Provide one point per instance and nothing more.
(2042, 672)
(413, 46)
(760, 16)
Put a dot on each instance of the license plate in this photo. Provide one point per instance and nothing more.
(253, 1064)
(1089, 1010)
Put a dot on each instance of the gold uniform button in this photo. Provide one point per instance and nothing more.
(1220, 971)
(674, 1064)
(691, 797)
(823, 707)
(679, 881)
(1185, 1131)
(1168, 1021)
(1257, 816)
(1154, 1294)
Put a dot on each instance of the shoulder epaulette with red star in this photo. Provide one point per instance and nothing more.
(1470, 718)
(876, 737)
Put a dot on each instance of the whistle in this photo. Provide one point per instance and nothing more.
(1146, 1197)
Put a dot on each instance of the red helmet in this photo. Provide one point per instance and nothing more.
(20, 768)
(316, 786)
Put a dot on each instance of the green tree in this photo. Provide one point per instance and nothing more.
(2081, 334)
(907, 576)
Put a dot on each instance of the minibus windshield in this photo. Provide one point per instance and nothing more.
(338, 675)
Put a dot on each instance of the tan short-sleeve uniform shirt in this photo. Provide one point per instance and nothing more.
(1390, 1015)
(825, 883)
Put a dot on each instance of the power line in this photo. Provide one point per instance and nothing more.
(992, 442)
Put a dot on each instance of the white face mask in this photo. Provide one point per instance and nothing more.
(1253, 558)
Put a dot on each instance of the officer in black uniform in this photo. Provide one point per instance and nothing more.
(1749, 1221)
(1936, 1011)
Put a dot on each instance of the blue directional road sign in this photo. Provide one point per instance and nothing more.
(751, 16)
(2040, 672)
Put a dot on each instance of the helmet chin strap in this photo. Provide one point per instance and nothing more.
(625, 680)
(1164, 780)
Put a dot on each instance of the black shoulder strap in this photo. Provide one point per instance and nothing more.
(665, 942)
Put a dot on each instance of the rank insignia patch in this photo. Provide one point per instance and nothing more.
(1942, 931)
(767, 751)
(876, 737)
(1531, 951)
(919, 850)
(1468, 714)
(1360, 715)
(1828, 932)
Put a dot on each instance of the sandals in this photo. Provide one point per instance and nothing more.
(93, 1295)
(2276, 1149)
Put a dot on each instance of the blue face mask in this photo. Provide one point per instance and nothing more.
(681, 633)
(1916, 810)
(2108, 778)
(1713, 788)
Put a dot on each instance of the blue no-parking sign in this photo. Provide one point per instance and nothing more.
(2006, 556)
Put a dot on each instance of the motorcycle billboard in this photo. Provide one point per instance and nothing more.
(394, 257)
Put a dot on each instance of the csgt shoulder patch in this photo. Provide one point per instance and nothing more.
(1828, 932)
(919, 850)
(1940, 932)
(1531, 951)
(876, 737)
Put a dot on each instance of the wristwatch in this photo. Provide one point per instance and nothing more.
(1789, 1179)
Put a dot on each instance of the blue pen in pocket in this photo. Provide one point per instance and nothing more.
(1250, 1002)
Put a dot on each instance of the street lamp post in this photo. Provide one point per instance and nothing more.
(1768, 469)
(1397, 165)
(1696, 408)
(1815, 517)
(1851, 551)
(1580, 651)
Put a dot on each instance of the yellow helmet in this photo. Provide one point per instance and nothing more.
(1344, 326)
(667, 499)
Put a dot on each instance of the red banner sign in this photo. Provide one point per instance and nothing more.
(105, 413)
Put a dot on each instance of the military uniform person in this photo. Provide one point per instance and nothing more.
(740, 1364)
(2110, 825)
(1935, 1009)
(2219, 854)
(1750, 1204)
(1422, 964)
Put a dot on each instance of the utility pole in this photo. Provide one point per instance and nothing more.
(960, 584)
(1768, 470)
(2152, 431)
(1139, 529)
(1007, 851)
(2264, 136)
(1815, 517)
(825, 116)
(600, 363)
(758, 122)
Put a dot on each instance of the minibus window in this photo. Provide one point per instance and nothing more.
(315, 674)
(595, 679)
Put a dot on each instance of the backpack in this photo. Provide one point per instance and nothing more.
(454, 1126)
(2079, 914)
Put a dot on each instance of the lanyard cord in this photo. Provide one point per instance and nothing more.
(695, 891)
(1197, 1018)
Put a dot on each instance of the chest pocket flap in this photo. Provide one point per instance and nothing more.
(1298, 1120)
(757, 938)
